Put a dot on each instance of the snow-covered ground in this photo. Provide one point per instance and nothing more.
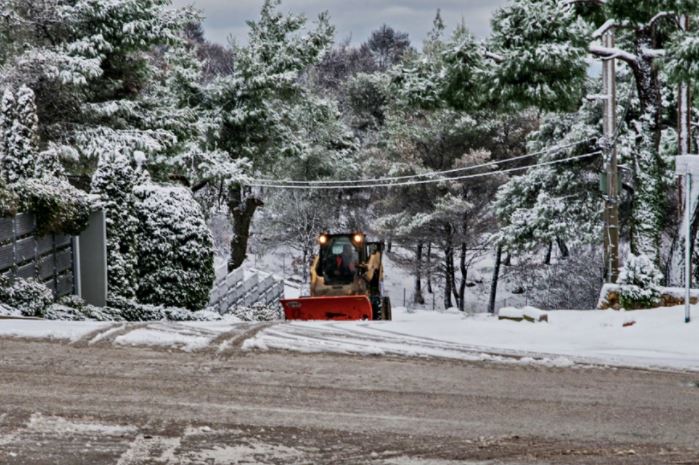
(657, 339)
(47, 329)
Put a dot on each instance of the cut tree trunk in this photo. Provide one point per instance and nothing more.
(242, 209)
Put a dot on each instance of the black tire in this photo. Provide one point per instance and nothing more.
(386, 309)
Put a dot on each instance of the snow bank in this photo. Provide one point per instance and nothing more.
(46, 329)
(659, 339)
(9, 311)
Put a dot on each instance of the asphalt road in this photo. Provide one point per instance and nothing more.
(74, 405)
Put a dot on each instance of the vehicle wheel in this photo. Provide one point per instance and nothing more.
(386, 309)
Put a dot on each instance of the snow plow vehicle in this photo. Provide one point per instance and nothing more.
(346, 282)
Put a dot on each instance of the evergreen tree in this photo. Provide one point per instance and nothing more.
(7, 119)
(21, 134)
(539, 47)
(175, 248)
(260, 104)
(113, 183)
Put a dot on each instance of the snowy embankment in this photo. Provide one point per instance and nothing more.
(48, 329)
(658, 339)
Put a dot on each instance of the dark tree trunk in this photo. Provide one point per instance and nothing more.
(648, 211)
(549, 251)
(508, 260)
(454, 291)
(464, 272)
(448, 267)
(241, 212)
(419, 298)
(429, 267)
(447, 283)
(494, 282)
(563, 248)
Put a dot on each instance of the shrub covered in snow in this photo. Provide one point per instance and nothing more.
(113, 182)
(259, 313)
(8, 200)
(131, 310)
(28, 296)
(73, 308)
(58, 206)
(639, 283)
(175, 248)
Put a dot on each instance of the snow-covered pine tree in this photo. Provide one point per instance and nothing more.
(113, 183)
(555, 204)
(20, 124)
(259, 104)
(539, 49)
(95, 68)
(7, 118)
(639, 282)
(175, 248)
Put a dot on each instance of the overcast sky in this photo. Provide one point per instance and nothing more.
(352, 18)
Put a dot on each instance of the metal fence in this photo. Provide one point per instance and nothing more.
(48, 259)
(245, 289)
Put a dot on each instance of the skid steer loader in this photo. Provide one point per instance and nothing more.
(346, 282)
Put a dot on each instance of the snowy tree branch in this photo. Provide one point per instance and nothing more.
(663, 15)
(653, 53)
(594, 2)
(610, 24)
(494, 56)
(610, 52)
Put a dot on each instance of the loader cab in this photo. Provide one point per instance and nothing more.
(340, 257)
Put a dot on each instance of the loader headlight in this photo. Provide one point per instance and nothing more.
(358, 238)
(323, 239)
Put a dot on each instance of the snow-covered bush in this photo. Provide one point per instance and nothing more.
(28, 296)
(73, 308)
(130, 310)
(58, 206)
(8, 200)
(175, 248)
(639, 283)
(259, 312)
(113, 182)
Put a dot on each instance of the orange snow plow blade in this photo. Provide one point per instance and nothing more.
(354, 307)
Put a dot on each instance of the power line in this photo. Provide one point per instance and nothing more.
(422, 175)
(416, 182)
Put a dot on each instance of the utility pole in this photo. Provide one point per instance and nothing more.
(611, 207)
(685, 200)
(684, 115)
